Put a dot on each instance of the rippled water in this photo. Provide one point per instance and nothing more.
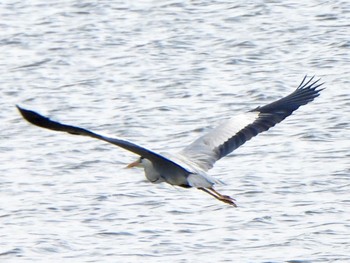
(160, 73)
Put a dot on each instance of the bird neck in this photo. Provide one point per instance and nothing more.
(151, 173)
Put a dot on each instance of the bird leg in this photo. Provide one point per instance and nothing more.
(224, 198)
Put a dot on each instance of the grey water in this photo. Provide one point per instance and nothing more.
(160, 74)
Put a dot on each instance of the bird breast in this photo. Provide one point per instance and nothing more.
(160, 173)
(152, 174)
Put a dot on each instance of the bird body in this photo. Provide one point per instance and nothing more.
(193, 174)
(188, 168)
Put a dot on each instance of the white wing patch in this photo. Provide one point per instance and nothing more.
(203, 151)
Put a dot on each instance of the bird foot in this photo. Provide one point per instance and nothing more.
(227, 199)
(224, 198)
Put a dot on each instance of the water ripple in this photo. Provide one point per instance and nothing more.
(160, 74)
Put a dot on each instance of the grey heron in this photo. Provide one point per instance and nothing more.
(189, 167)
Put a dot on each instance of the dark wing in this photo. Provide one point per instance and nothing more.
(44, 122)
(227, 137)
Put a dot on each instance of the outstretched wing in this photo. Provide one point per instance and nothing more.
(44, 122)
(227, 137)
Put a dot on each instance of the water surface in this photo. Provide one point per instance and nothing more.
(160, 73)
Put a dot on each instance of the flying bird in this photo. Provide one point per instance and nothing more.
(189, 167)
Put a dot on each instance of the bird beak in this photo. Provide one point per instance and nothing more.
(133, 164)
